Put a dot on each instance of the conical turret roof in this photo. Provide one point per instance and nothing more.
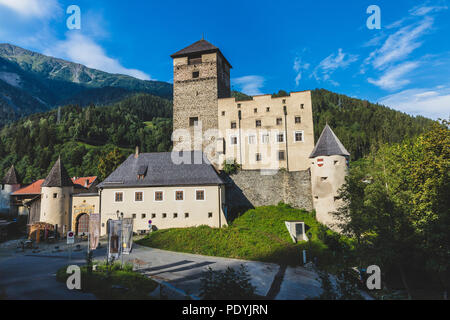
(329, 145)
(58, 176)
(11, 176)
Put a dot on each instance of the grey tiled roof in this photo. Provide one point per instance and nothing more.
(58, 176)
(201, 46)
(162, 171)
(328, 145)
(11, 176)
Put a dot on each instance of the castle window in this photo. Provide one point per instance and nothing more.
(158, 196)
(268, 109)
(210, 214)
(258, 123)
(193, 121)
(143, 216)
(223, 113)
(302, 106)
(323, 178)
(138, 196)
(175, 215)
(298, 119)
(251, 139)
(199, 194)
(255, 110)
(233, 140)
(55, 195)
(153, 215)
(119, 196)
(179, 195)
(164, 215)
(280, 155)
(186, 215)
(284, 101)
(298, 136)
(239, 105)
(280, 137)
(133, 215)
(195, 74)
(265, 138)
(258, 157)
(279, 121)
(233, 124)
(336, 162)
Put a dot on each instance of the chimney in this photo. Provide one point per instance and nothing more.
(86, 183)
(136, 154)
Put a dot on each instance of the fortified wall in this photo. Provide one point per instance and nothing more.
(252, 188)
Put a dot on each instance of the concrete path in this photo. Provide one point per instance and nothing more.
(32, 275)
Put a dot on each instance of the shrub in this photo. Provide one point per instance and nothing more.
(231, 167)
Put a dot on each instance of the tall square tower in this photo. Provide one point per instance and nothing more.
(201, 75)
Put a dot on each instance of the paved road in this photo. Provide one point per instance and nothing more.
(33, 276)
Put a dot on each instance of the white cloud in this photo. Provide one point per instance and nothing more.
(82, 49)
(298, 67)
(33, 8)
(400, 44)
(429, 102)
(331, 63)
(423, 10)
(393, 78)
(250, 85)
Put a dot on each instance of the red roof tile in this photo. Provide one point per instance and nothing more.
(35, 187)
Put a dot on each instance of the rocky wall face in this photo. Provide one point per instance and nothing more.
(248, 189)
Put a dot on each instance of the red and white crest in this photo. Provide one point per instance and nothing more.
(320, 162)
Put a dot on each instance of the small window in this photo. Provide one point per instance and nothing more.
(258, 157)
(200, 195)
(258, 123)
(336, 162)
(193, 121)
(267, 109)
(239, 105)
(175, 215)
(223, 113)
(251, 139)
(133, 215)
(164, 215)
(284, 101)
(233, 140)
(210, 214)
(55, 195)
(119, 197)
(255, 110)
(158, 196)
(186, 215)
(233, 125)
(153, 215)
(280, 137)
(138, 196)
(298, 136)
(265, 138)
(143, 216)
(195, 74)
(302, 106)
(179, 195)
(298, 119)
(280, 155)
(279, 121)
(323, 178)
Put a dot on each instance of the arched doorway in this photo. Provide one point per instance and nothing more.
(82, 224)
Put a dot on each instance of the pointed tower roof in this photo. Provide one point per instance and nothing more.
(328, 145)
(201, 46)
(11, 176)
(58, 176)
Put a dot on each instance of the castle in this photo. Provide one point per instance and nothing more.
(270, 138)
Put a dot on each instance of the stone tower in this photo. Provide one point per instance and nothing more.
(9, 184)
(56, 193)
(201, 75)
(329, 167)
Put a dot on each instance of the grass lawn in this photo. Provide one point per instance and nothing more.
(259, 234)
(113, 282)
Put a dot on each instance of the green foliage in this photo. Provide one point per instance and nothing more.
(239, 96)
(259, 234)
(231, 167)
(281, 93)
(82, 136)
(398, 208)
(109, 163)
(106, 276)
(346, 287)
(230, 284)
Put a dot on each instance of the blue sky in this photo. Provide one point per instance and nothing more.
(290, 45)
